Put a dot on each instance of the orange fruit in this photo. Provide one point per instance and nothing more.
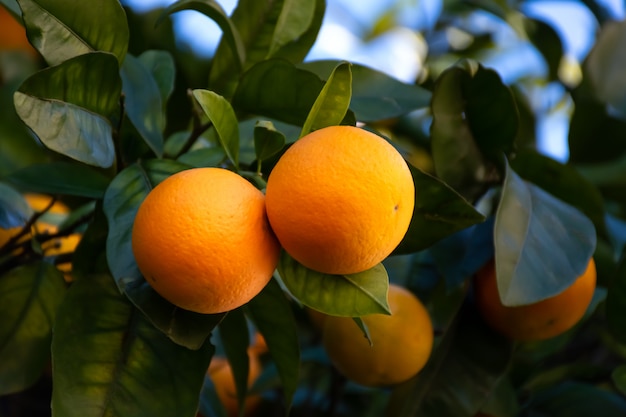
(13, 34)
(340, 199)
(539, 321)
(202, 240)
(221, 374)
(259, 345)
(401, 342)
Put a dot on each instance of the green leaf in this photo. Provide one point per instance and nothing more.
(222, 116)
(14, 210)
(203, 157)
(143, 103)
(60, 178)
(576, 399)
(547, 42)
(67, 105)
(618, 376)
(163, 69)
(295, 18)
(298, 48)
(562, 181)
(474, 121)
(616, 304)
(439, 211)
(605, 64)
(214, 11)
(333, 101)
(267, 140)
(465, 367)
(542, 244)
(29, 298)
(375, 95)
(272, 315)
(109, 360)
(121, 202)
(353, 295)
(277, 89)
(64, 29)
(234, 336)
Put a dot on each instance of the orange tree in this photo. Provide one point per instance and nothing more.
(109, 107)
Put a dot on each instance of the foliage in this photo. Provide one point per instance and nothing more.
(111, 107)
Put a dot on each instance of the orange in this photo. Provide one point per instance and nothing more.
(401, 342)
(539, 321)
(221, 374)
(340, 199)
(259, 345)
(13, 34)
(202, 240)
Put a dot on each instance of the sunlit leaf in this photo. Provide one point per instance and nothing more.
(542, 244)
(67, 105)
(29, 298)
(351, 295)
(294, 19)
(439, 211)
(332, 103)
(60, 178)
(272, 315)
(109, 359)
(375, 95)
(63, 29)
(143, 103)
(121, 202)
(14, 210)
(163, 69)
(224, 120)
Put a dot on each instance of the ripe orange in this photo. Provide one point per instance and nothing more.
(402, 342)
(542, 320)
(340, 199)
(202, 240)
(221, 374)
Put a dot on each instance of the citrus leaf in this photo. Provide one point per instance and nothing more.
(616, 304)
(222, 115)
(60, 178)
(439, 211)
(67, 105)
(272, 315)
(333, 101)
(63, 29)
(277, 89)
(109, 359)
(353, 295)
(214, 11)
(14, 210)
(298, 48)
(576, 399)
(295, 18)
(203, 157)
(234, 336)
(143, 103)
(267, 140)
(121, 202)
(618, 376)
(163, 69)
(375, 95)
(542, 244)
(366, 333)
(547, 42)
(29, 298)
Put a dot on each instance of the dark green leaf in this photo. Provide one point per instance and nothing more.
(14, 210)
(272, 315)
(203, 157)
(277, 89)
(224, 120)
(547, 42)
(542, 244)
(267, 140)
(60, 178)
(61, 30)
(214, 11)
(333, 101)
(351, 295)
(376, 95)
(163, 69)
(109, 359)
(29, 298)
(563, 182)
(295, 18)
(296, 50)
(143, 103)
(619, 378)
(439, 211)
(67, 105)
(576, 399)
(605, 65)
(121, 202)
(234, 336)
(616, 304)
